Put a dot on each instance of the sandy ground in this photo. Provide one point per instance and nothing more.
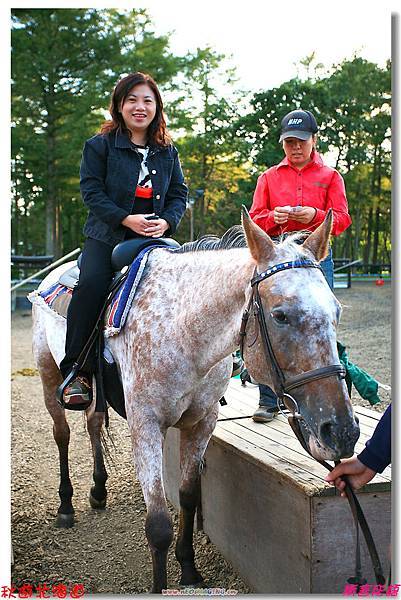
(107, 551)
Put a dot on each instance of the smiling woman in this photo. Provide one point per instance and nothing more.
(133, 185)
(138, 111)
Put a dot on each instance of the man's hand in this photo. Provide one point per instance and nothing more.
(139, 224)
(358, 474)
(303, 214)
(280, 214)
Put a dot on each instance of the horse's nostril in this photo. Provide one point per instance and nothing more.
(326, 433)
(356, 420)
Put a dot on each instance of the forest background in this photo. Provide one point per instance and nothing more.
(65, 63)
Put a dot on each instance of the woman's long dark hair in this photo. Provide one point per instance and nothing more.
(157, 130)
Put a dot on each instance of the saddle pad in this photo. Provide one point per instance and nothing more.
(57, 298)
(122, 300)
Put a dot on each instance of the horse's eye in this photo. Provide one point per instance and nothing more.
(279, 316)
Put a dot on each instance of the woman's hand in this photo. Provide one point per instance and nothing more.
(139, 224)
(156, 227)
(358, 474)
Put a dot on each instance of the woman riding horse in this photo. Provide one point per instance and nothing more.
(133, 185)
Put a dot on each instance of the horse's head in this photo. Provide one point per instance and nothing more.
(300, 315)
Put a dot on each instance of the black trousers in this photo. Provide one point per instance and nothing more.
(86, 303)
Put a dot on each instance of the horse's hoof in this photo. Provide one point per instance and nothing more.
(97, 504)
(192, 584)
(191, 578)
(65, 520)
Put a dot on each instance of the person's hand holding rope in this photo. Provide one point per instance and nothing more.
(358, 474)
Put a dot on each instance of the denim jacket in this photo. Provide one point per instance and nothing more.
(109, 175)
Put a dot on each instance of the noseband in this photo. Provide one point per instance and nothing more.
(282, 385)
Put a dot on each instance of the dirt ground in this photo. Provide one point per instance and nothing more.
(107, 551)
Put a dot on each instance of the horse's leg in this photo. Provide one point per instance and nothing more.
(147, 442)
(51, 379)
(192, 447)
(98, 492)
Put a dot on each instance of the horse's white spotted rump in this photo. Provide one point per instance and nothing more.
(174, 355)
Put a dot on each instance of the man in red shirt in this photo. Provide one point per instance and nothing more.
(295, 195)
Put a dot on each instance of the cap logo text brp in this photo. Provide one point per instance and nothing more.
(295, 121)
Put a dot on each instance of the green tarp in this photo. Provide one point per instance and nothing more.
(366, 386)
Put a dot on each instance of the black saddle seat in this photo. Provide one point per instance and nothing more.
(125, 252)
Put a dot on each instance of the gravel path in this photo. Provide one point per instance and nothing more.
(107, 551)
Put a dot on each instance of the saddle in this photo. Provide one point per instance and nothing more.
(109, 389)
(122, 256)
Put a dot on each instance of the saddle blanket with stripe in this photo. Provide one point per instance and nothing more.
(57, 298)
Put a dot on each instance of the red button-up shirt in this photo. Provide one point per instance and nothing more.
(315, 185)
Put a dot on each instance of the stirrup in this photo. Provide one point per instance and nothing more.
(60, 392)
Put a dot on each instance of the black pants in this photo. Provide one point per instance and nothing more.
(86, 303)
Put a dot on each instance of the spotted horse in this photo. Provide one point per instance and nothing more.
(175, 359)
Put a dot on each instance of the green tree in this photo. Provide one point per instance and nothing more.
(209, 149)
(65, 63)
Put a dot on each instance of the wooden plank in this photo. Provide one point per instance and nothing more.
(247, 521)
(261, 526)
(292, 453)
(266, 461)
(333, 541)
(280, 423)
(249, 395)
(279, 432)
(368, 412)
(366, 422)
(236, 397)
(273, 456)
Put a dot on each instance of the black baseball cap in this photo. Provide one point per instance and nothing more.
(298, 123)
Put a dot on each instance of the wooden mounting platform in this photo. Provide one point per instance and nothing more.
(267, 508)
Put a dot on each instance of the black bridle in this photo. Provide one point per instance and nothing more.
(283, 386)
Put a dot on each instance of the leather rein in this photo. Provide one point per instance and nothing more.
(283, 385)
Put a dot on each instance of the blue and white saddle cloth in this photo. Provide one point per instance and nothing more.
(121, 302)
(116, 314)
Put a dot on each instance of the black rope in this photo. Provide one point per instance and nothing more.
(357, 513)
(234, 418)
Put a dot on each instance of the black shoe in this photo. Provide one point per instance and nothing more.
(246, 378)
(263, 414)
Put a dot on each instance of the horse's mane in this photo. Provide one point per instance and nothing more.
(235, 238)
(232, 238)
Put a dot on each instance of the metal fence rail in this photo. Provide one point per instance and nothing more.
(46, 269)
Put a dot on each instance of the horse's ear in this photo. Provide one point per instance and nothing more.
(318, 241)
(259, 243)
